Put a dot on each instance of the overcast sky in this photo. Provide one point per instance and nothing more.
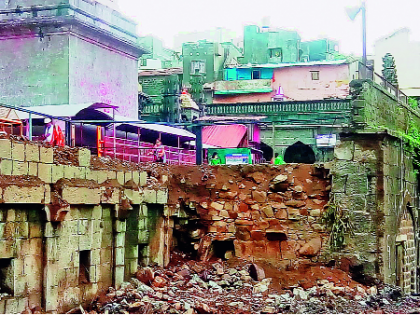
(311, 18)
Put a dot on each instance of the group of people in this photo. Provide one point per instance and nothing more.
(53, 134)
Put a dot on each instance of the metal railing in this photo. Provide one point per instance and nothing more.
(140, 151)
(122, 148)
(276, 108)
(377, 78)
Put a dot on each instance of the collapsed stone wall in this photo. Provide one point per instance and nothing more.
(254, 212)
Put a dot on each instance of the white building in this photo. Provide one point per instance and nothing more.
(407, 59)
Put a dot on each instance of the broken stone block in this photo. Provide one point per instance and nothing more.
(84, 157)
(258, 177)
(281, 214)
(256, 272)
(311, 248)
(315, 212)
(288, 249)
(295, 203)
(268, 211)
(259, 196)
(216, 205)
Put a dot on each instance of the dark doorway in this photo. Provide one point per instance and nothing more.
(299, 153)
(267, 151)
(6, 276)
(220, 248)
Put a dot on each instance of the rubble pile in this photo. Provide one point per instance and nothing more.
(191, 287)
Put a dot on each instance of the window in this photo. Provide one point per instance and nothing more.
(198, 67)
(256, 74)
(315, 75)
(143, 62)
(84, 266)
(276, 53)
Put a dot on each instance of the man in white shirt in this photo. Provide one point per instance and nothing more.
(48, 131)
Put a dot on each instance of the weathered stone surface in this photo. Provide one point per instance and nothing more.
(81, 195)
(16, 194)
(32, 152)
(5, 149)
(259, 196)
(83, 156)
(311, 248)
(46, 155)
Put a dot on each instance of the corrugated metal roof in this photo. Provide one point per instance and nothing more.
(67, 110)
(228, 136)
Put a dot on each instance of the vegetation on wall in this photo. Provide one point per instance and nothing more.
(338, 223)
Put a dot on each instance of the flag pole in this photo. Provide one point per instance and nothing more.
(364, 40)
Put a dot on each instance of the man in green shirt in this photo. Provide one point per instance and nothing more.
(277, 160)
(215, 159)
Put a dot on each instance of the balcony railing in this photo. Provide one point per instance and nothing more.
(277, 108)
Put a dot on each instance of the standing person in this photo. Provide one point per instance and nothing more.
(215, 159)
(53, 134)
(159, 152)
(277, 160)
(48, 130)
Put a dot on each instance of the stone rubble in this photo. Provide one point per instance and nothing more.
(192, 287)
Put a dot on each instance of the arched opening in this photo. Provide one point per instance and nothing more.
(267, 151)
(405, 253)
(299, 153)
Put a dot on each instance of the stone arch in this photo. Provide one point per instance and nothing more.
(299, 153)
(405, 250)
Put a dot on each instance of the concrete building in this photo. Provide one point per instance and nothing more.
(219, 35)
(159, 96)
(293, 81)
(58, 52)
(207, 59)
(159, 56)
(407, 59)
(272, 45)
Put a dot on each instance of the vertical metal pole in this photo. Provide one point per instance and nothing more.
(30, 127)
(138, 144)
(179, 150)
(364, 73)
(198, 144)
(68, 132)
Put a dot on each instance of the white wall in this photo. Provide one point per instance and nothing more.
(407, 60)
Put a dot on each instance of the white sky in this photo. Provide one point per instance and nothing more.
(311, 18)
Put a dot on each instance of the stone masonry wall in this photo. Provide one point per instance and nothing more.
(373, 180)
(258, 212)
(63, 224)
